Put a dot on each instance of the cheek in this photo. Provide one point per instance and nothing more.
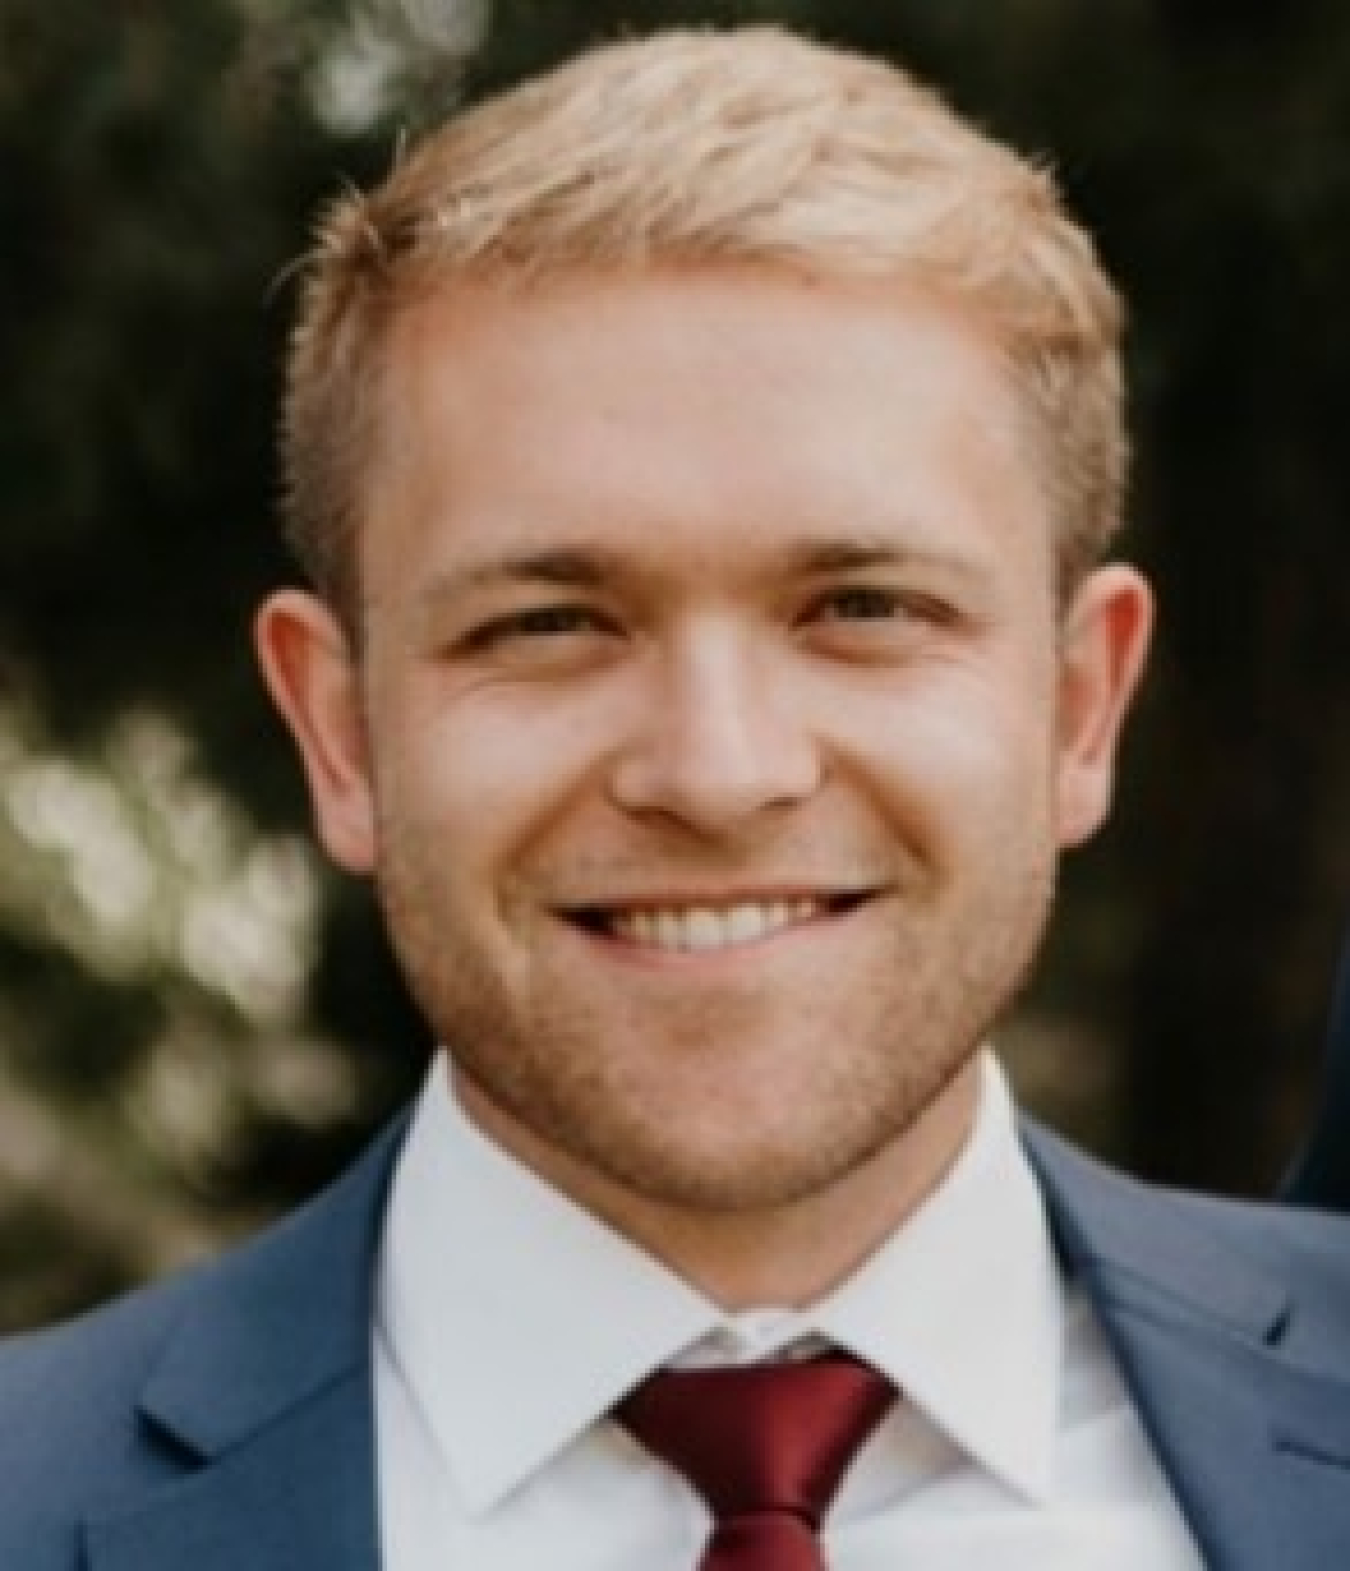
(961, 763)
(486, 770)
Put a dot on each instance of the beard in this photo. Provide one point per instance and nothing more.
(756, 1089)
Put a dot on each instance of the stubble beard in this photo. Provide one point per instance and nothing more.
(706, 1109)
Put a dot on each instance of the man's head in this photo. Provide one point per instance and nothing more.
(712, 669)
(704, 148)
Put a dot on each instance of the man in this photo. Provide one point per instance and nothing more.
(703, 459)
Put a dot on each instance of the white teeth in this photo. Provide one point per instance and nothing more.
(743, 923)
(701, 928)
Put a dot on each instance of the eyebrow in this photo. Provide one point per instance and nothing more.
(592, 566)
(583, 568)
(852, 556)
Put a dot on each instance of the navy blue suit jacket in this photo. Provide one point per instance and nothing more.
(224, 1421)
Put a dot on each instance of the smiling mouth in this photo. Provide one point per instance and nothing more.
(705, 927)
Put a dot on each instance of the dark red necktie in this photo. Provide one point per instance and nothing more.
(766, 1445)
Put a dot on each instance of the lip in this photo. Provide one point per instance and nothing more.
(717, 897)
(669, 929)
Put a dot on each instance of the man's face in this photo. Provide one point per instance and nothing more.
(715, 731)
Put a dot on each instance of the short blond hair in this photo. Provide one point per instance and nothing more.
(707, 147)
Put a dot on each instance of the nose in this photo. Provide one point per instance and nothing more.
(723, 739)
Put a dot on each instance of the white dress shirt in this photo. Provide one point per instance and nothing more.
(510, 1321)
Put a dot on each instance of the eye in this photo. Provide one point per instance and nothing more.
(877, 621)
(539, 622)
(862, 603)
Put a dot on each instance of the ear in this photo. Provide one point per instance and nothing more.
(1103, 644)
(314, 681)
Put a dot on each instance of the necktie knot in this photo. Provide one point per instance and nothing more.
(762, 1444)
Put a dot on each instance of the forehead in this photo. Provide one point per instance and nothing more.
(721, 410)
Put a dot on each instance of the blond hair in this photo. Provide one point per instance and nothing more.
(745, 146)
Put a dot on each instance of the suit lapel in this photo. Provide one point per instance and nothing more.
(1252, 1431)
(265, 1391)
(300, 1495)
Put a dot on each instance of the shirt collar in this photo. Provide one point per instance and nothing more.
(963, 1306)
(515, 1317)
(515, 1355)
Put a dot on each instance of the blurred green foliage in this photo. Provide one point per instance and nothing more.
(197, 1022)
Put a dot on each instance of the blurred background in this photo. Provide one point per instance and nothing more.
(198, 1022)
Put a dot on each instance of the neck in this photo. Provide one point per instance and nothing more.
(785, 1256)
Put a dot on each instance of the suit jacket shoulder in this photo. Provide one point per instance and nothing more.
(1231, 1322)
(133, 1405)
(69, 1435)
(1233, 1257)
